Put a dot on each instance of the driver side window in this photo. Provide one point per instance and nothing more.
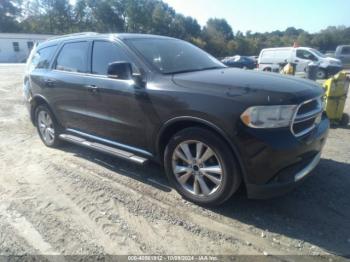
(304, 54)
(104, 53)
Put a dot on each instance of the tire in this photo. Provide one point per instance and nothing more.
(192, 173)
(345, 120)
(47, 126)
(321, 74)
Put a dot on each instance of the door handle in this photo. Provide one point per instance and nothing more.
(92, 88)
(50, 82)
(296, 61)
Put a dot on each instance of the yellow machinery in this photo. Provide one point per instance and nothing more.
(336, 89)
(288, 69)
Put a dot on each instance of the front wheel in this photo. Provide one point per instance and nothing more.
(321, 74)
(201, 166)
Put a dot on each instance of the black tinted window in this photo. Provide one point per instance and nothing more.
(105, 53)
(42, 57)
(73, 57)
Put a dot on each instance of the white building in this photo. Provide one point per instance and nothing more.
(15, 48)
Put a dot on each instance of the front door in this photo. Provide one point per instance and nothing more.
(114, 106)
(303, 58)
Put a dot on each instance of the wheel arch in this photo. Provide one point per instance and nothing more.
(172, 126)
(35, 102)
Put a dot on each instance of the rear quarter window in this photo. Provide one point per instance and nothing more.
(42, 58)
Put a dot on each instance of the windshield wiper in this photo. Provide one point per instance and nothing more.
(195, 70)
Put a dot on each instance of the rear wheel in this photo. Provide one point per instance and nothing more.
(201, 166)
(47, 126)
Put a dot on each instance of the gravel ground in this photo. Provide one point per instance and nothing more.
(73, 201)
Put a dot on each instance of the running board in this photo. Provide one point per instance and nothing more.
(103, 148)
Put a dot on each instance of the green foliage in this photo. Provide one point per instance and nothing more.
(9, 11)
(46, 16)
(217, 33)
(153, 17)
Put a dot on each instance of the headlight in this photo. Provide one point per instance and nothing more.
(268, 116)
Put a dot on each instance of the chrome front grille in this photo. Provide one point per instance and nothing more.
(306, 116)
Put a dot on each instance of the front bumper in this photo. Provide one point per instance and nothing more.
(277, 161)
(332, 70)
(278, 187)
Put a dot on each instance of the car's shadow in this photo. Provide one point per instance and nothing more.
(317, 212)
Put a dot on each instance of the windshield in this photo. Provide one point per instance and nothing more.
(318, 53)
(170, 56)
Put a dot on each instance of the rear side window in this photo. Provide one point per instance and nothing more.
(345, 50)
(73, 57)
(104, 53)
(41, 59)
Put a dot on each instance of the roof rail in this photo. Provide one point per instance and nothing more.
(74, 34)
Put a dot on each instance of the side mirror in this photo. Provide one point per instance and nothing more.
(124, 71)
(120, 70)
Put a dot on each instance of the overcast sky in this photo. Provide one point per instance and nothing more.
(268, 15)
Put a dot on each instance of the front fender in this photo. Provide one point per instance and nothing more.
(192, 121)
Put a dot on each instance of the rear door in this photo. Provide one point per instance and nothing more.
(36, 70)
(114, 106)
(67, 84)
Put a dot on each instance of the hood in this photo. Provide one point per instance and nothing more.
(333, 60)
(270, 88)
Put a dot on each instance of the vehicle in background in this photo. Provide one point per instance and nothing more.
(254, 58)
(342, 53)
(301, 56)
(238, 61)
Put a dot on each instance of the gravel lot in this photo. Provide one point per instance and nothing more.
(74, 201)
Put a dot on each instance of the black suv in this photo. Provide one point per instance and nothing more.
(145, 97)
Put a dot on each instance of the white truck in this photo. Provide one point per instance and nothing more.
(271, 58)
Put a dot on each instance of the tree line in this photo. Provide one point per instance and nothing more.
(153, 17)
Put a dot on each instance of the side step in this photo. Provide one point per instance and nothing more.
(103, 148)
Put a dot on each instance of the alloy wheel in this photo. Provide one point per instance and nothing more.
(320, 74)
(46, 127)
(197, 168)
